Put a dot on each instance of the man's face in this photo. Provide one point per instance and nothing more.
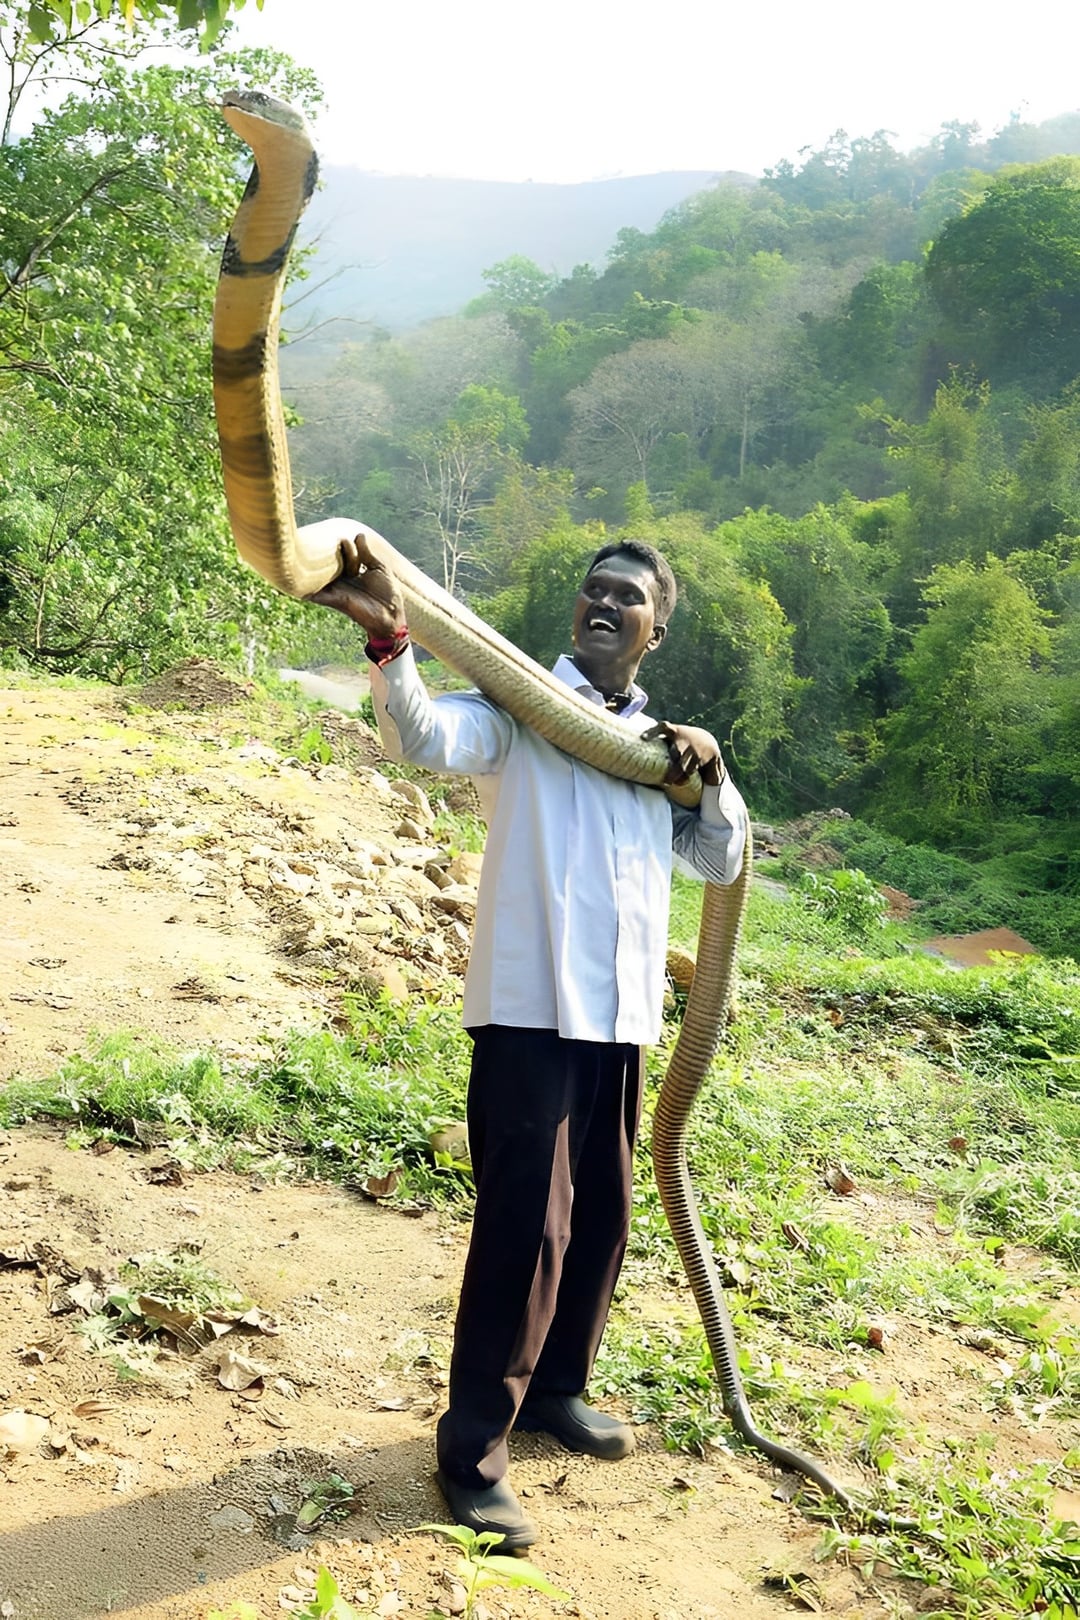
(615, 618)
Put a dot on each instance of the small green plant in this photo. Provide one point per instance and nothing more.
(314, 746)
(459, 830)
(480, 1568)
(329, 1498)
(1046, 1376)
(845, 896)
(365, 711)
(328, 1603)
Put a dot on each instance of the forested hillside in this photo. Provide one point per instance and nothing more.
(394, 250)
(844, 400)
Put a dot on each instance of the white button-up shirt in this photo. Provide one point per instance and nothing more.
(572, 912)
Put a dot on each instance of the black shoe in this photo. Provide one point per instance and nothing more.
(494, 1508)
(577, 1425)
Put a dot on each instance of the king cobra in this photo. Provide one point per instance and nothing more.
(258, 489)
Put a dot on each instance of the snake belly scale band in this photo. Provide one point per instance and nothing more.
(258, 491)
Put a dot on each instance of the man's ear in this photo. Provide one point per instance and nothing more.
(658, 634)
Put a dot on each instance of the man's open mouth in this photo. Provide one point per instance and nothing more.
(596, 622)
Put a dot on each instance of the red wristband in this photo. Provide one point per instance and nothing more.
(383, 649)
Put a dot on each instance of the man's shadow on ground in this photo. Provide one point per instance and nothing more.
(146, 1549)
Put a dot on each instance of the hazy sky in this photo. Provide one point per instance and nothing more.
(580, 89)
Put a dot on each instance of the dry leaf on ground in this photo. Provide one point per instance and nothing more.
(21, 1433)
(839, 1178)
(381, 1186)
(237, 1372)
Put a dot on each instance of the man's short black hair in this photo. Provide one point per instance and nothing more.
(667, 592)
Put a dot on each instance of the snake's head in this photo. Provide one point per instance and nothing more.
(254, 114)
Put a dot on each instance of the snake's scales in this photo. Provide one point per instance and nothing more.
(258, 489)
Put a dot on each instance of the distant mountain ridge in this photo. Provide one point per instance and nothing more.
(402, 249)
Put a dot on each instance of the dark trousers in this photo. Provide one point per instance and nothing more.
(552, 1124)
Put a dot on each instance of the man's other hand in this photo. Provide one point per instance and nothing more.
(690, 749)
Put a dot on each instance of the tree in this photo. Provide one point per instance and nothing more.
(1006, 274)
(957, 751)
(743, 372)
(327, 452)
(61, 57)
(516, 283)
(115, 209)
(562, 362)
(1045, 498)
(958, 482)
(528, 503)
(733, 222)
(824, 579)
(424, 371)
(630, 404)
(458, 464)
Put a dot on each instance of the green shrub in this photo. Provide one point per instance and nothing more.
(845, 896)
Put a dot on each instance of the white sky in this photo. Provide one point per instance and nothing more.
(582, 89)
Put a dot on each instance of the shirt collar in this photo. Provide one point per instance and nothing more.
(567, 672)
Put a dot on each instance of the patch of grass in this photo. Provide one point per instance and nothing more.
(987, 1545)
(171, 1291)
(664, 1373)
(957, 896)
(344, 1107)
(457, 830)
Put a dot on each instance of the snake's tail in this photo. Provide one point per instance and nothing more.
(709, 998)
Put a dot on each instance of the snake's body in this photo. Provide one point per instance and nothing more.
(259, 494)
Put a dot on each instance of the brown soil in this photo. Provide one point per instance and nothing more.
(978, 949)
(173, 874)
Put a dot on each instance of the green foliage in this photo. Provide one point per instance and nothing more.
(823, 577)
(989, 1544)
(54, 19)
(958, 487)
(313, 745)
(459, 464)
(327, 1498)
(175, 1292)
(106, 425)
(974, 689)
(517, 283)
(352, 1107)
(1006, 273)
(328, 1603)
(958, 896)
(846, 896)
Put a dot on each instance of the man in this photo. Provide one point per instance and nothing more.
(564, 988)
